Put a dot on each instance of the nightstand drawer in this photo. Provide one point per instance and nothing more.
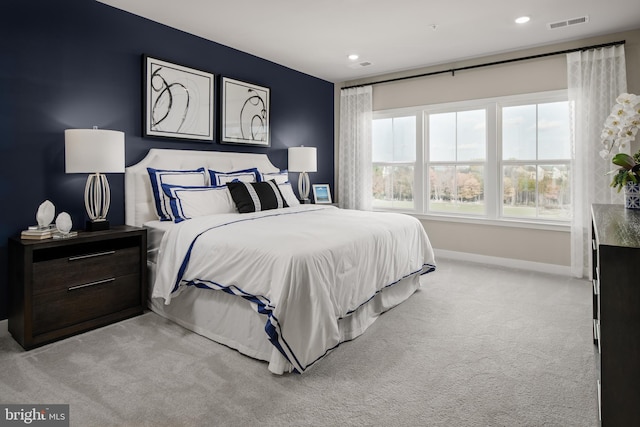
(84, 266)
(86, 301)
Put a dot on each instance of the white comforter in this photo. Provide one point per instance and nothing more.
(303, 267)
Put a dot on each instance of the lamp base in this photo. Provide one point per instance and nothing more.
(303, 186)
(304, 201)
(97, 225)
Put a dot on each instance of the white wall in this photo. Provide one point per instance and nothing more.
(537, 75)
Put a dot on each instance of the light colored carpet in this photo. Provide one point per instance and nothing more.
(477, 346)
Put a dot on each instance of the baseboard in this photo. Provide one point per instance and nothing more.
(562, 270)
(4, 328)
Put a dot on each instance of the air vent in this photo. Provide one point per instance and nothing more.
(358, 65)
(568, 22)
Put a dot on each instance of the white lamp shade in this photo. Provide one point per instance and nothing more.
(93, 150)
(303, 159)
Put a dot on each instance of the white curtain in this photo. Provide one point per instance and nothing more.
(595, 78)
(354, 160)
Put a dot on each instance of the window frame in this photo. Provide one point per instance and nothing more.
(417, 182)
(486, 164)
(493, 164)
(520, 100)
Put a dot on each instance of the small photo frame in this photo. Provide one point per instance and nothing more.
(321, 193)
(245, 113)
(178, 101)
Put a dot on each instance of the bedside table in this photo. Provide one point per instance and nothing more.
(62, 287)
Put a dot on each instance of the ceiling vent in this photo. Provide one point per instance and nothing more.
(362, 64)
(568, 22)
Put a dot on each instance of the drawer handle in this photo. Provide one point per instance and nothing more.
(599, 400)
(75, 258)
(86, 285)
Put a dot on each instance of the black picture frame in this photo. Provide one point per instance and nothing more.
(245, 113)
(178, 101)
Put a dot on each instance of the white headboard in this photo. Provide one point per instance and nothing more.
(139, 205)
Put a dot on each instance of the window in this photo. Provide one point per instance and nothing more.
(506, 158)
(394, 160)
(536, 161)
(457, 153)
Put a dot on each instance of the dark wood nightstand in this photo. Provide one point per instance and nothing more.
(62, 287)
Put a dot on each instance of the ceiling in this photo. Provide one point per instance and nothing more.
(316, 36)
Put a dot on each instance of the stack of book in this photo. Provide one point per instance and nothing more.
(38, 233)
(60, 235)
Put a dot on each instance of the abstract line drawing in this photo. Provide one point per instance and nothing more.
(163, 93)
(245, 113)
(178, 101)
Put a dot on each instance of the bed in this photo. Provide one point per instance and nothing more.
(284, 285)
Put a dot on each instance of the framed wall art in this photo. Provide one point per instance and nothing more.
(245, 113)
(178, 101)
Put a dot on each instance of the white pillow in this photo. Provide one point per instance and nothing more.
(186, 178)
(288, 194)
(219, 179)
(192, 202)
(280, 177)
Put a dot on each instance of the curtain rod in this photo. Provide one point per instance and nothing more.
(488, 64)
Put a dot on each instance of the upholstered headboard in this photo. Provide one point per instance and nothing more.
(139, 203)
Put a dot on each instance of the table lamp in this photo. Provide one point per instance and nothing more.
(95, 151)
(303, 159)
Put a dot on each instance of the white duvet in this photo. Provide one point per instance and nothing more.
(302, 267)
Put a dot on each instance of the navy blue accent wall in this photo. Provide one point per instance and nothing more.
(78, 63)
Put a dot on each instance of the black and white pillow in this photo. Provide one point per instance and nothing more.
(256, 196)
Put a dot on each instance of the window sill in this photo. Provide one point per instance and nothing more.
(505, 222)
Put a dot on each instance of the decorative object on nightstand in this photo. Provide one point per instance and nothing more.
(627, 177)
(95, 151)
(44, 215)
(620, 129)
(62, 287)
(321, 194)
(44, 230)
(63, 223)
(36, 233)
(632, 195)
(303, 159)
(63, 226)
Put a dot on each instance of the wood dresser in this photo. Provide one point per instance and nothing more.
(616, 312)
(62, 287)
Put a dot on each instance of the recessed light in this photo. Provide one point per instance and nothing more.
(353, 57)
(523, 20)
